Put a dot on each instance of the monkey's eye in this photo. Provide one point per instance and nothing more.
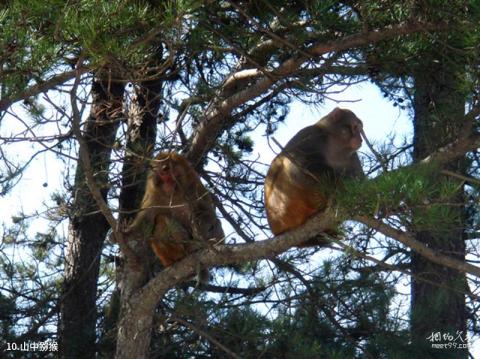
(357, 127)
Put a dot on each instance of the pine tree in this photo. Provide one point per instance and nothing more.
(102, 86)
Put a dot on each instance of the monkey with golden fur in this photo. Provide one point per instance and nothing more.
(177, 212)
(302, 178)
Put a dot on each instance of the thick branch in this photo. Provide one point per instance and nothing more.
(228, 254)
(215, 120)
(41, 87)
(467, 141)
(141, 304)
(454, 150)
(225, 255)
(144, 301)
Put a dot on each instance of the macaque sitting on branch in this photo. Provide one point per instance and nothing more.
(177, 214)
(303, 177)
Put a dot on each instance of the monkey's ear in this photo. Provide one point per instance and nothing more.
(333, 117)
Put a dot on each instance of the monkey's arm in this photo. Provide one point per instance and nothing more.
(145, 219)
(204, 215)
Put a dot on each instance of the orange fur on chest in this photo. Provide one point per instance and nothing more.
(168, 252)
(169, 240)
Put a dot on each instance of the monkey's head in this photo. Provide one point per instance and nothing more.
(170, 171)
(346, 129)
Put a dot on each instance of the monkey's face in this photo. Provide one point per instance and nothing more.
(349, 133)
(345, 130)
(167, 172)
(356, 129)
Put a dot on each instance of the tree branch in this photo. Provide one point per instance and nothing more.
(418, 247)
(44, 86)
(467, 141)
(229, 254)
(216, 118)
(204, 334)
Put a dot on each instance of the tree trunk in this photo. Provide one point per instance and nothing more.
(438, 293)
(136, 322)
(88, 227)
(136, 316)
(141, 135)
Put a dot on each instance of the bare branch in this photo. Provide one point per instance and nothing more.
(41, 87)
(467, 141)
(204, 334)
(418, 246)
(230, 290)
(229, 254)
(216, 119)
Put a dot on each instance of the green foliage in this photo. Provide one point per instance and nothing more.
(8, 311)
(41, 37)
(391, 64)
(243, 330)
(28, 46)
(421, 190)
(100, 40)
(360, 304)
(306, 324)
(43, 245)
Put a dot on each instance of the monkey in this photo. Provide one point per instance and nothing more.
(177, 214)
(302, 178)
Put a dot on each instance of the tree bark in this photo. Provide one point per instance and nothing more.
(88, 227)
(141, 135)
(141, 131)
(438, 292)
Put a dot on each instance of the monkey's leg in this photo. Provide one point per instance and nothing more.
(169, 240)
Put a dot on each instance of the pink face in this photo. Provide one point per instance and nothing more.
(166, 176)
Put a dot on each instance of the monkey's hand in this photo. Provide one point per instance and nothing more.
(123, 227)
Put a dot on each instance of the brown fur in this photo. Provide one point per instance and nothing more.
(177, 212)
(302, 178)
